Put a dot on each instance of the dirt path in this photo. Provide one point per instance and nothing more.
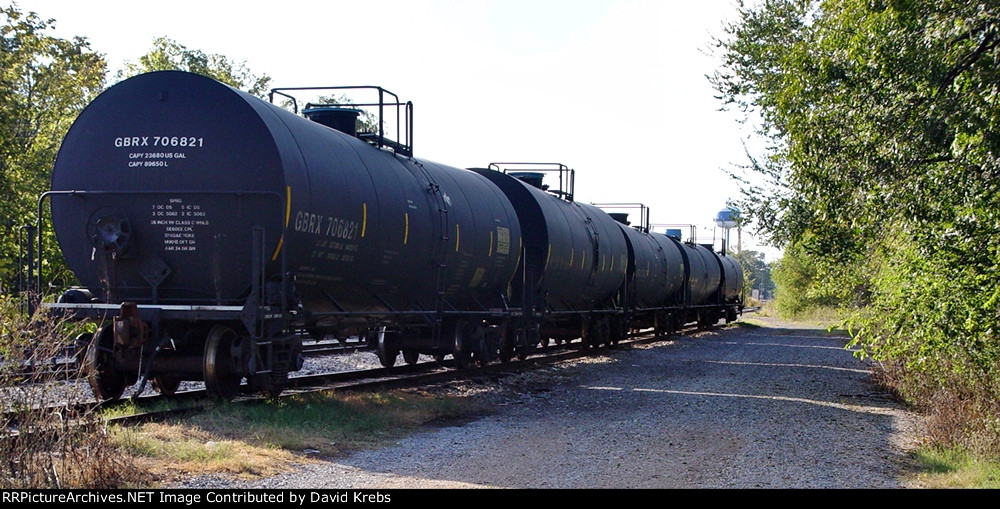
(777, 407)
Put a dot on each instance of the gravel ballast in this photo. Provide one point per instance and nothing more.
(778, 406)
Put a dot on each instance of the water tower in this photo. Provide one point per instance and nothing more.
(728, 219)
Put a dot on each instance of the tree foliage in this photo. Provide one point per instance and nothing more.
(756, 272)
(882, 168)
(44, 83)
(169, 55)
(366, 122)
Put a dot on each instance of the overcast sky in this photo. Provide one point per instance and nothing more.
(616, 89)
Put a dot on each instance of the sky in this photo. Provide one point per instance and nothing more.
(615, 89)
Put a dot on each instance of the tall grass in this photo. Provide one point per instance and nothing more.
(956, 468)
(60, 442)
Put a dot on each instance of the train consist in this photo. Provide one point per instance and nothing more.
(213, 231)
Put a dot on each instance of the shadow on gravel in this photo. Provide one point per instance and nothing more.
(742, 407)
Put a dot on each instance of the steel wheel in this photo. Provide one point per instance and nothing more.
(99, 365)
(223, 362)
(384, 348)
(274, 383)
(481, 358)
(603, 332)
(483, 350)
(618, 331)
(461, 351)
(507, 336)
(587, 333)
(525, 342)
(166, 386)
(411, 356)
(82, 345)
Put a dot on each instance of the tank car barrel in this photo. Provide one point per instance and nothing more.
(192, 211)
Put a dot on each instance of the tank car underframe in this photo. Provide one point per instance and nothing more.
(169, 344)
(466, 334)
(596, 327)
(663, 320)
(467, 337)
(708, 315)
(166, 344)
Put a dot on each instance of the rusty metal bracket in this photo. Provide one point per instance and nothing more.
(130, 330)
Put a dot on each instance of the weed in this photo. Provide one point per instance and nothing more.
(61, 442)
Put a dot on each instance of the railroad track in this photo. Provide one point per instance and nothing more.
(67, 365)
(415, 375)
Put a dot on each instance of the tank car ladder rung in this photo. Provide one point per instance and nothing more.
(269, 351)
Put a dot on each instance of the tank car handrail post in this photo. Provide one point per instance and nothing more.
(561, 178)
(21, 283)
(398, 137)
(295, 102)
(409, 125)
(30, 234)
(381, 101)
(33, 300)
(571, 184)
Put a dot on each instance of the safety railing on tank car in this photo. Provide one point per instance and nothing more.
(612, 208)
(258, 268)
(401, 144)
(567, 175)
(692, 232)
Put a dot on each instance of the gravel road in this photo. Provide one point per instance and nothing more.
(741, 407)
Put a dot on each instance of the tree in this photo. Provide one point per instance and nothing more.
(44, 83)
(756, 272)
(167, 55)
(873, 109)
(883, 170)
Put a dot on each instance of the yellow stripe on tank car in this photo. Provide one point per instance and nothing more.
(572, 252)
(491, 244)
(364, 219)
(288, 204)
(549, 256)
(457, 237)
(278, 249)
(288, 215)
(583, 258)
(406, 227)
